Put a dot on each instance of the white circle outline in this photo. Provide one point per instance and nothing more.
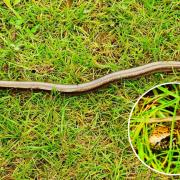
(129, 128)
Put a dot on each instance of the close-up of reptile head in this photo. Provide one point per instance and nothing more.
(154, 128)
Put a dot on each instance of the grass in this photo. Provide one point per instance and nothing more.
(161, 102)
(50, 135)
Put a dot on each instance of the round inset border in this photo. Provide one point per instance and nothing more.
(168, 83)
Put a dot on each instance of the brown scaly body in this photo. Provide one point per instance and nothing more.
(160, 66)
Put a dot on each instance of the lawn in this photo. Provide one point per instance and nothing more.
(56, 136)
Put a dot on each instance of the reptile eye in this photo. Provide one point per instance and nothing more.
(156, 144)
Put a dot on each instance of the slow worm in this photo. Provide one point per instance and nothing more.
(161, 66)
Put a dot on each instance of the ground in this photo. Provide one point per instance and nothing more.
(55, 136)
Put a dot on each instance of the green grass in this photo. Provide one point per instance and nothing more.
(50, 135)
(161, 102)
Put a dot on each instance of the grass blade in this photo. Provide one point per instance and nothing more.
(8, 4)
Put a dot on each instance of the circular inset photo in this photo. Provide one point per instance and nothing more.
(154, 128)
